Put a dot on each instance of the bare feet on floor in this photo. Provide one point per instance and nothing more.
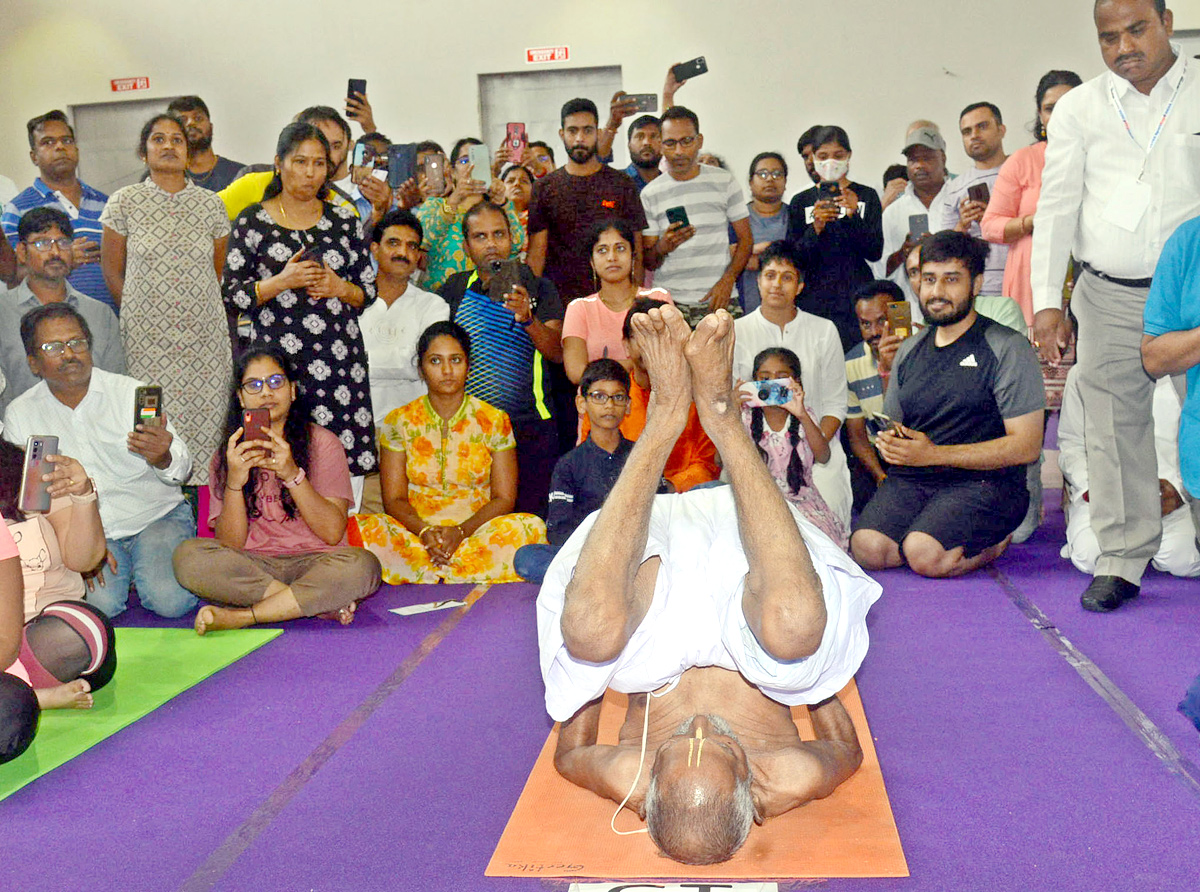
(75, 694)
(344, 615)
(211, 618)
(709, 354)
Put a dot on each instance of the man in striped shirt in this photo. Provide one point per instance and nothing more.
(52, 148)
(688, 215)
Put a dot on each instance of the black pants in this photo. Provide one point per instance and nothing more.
(537, 453)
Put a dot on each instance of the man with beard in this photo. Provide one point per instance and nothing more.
(645, 151)
(53, 150)
(966, 403)
(1120, 176)
(715, 610)
(205, 168)
(806, 148)
(567, 203)
(983, 131)
(44, 250)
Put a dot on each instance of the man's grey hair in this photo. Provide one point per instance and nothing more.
(707, 834)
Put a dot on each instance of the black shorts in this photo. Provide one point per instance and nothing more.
(975, 514)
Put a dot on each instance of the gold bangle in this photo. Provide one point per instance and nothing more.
(257, 293)
(425, 529)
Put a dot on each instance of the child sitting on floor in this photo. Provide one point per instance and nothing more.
(584, 476)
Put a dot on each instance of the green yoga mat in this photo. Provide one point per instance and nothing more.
(153, 665)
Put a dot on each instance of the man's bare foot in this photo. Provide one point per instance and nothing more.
(75, 694)
(709, 354)
(660, 337)
(344, 615)
(212, 619)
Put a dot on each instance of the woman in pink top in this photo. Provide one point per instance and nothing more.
(1009, 216)
(592, 326)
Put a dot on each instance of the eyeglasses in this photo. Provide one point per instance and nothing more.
(75, 345)
(45, 244)
(255, 385)
(770, 174)
(687, 142)
(601, 398)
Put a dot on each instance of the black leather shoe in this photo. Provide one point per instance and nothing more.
(1107, 593)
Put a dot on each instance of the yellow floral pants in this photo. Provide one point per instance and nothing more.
(484, 556)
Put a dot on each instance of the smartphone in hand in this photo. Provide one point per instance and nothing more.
(899, 316)
(516, 139)
(34, 496)
(481, 159)
(828, 190)
(434, 167)
(356, 85)
(677, 215)
(644, 102)
(402, 164)
(918, 226)
(147, 407)
(505, 274)
(255, 423)
(979, 192)
(687, 70)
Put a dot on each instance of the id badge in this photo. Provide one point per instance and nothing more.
(1128, 205)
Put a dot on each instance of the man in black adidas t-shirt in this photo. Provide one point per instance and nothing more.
(966, 394)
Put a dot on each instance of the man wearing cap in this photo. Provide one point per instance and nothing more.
(1120, 176)
(925, 153)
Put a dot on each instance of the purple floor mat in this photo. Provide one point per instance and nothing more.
(1005, 770)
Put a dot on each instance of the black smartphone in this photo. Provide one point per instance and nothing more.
(356, 85)
(402, 164)
(677, 215)
(516, 139)
(685, 70)
(505, 274)
(255, 423)
(979, 192)
(828, 191)
(147, 407)
(646, 102)
(894, 426)
(435, 173)
(918, 226)
(35, 492)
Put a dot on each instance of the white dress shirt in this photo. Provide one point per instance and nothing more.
(1086, 208)
(132, 493)
(390, 335)
(823, 368)
(895, 231)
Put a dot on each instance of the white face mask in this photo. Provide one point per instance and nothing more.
(832, 169)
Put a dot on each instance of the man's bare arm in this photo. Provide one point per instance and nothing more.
(1172, 353)
(606, 770)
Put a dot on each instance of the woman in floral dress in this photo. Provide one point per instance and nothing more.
(162, 253)
(297, 265)
(448, 470)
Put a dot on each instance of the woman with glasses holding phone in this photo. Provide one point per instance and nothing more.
(162, 254)
(280, 501)
(592, 325)
(442, 218)
(448, 469)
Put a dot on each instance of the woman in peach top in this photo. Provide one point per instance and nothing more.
(592, 326)
(448, 469)
(1009, 216)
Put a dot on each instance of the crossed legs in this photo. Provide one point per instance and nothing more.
(612, 587)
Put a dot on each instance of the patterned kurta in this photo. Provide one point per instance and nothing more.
(172, 321)
(321, 336)
(449, 469)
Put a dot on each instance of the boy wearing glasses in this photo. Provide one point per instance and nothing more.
(584, 476)
(44, 239)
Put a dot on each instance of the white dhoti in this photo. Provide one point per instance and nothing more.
(695, 618)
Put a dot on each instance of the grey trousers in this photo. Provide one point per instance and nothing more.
(1118, 399)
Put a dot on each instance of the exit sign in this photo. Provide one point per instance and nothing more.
(541, 54)
(125, 84)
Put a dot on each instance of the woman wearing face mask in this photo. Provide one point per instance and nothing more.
(1009, 215)
(837, 228)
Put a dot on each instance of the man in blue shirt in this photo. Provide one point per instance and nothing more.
(52, 148)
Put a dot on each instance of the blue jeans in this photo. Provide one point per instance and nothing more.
(145, 560)
(532, 561)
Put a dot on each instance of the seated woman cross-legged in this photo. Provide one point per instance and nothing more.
(448, 469)
(280, 497)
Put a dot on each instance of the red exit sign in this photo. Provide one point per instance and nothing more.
(125, 84)
(542, 54)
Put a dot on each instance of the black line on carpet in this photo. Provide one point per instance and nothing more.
(1138, 722)
(214, 868)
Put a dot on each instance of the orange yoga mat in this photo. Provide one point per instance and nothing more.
(560, 830)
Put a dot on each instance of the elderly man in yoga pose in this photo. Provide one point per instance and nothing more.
(715, 610)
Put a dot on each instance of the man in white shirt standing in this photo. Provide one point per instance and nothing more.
(779, 323)
(688, 214)
(1122, 172)
(137, 472)
(392, 325)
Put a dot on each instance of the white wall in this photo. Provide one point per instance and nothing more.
(776, 66)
